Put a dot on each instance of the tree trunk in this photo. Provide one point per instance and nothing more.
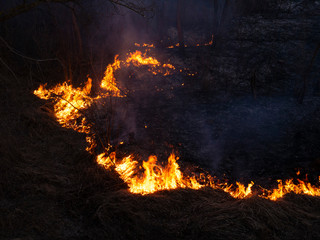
(161, 20)
(215, 17)
(305, 78)
(179, 25)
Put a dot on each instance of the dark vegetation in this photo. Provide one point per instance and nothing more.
(252, 112)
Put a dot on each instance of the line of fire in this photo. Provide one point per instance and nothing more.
(141, 119)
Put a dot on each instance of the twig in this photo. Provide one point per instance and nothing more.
(3, 62)
(57, 96)
(25, 7)
(29, 58)
(136, 9)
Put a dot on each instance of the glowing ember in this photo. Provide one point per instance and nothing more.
(145, 45)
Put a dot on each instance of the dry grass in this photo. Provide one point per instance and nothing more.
(52, 189)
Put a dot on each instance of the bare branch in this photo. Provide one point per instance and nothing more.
(11, 49)
(134, 5)
(25, 7)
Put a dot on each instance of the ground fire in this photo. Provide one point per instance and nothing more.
(167, 119)
(71, 103)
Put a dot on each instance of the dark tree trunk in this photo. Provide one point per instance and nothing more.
(179, 24)
(161, 20)
(306, 74)
(215, 17)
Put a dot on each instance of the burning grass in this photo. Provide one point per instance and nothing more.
(70, 102)
(52, 188)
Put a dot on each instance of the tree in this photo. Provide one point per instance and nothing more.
(179, 24)
(17, 9)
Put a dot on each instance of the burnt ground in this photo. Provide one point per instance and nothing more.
(238, 117)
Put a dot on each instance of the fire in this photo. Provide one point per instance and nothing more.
(302, 187)
(145, 45)
(109, 81)
(70, 104)
(155, 177)
(209, 43)
(138, 59)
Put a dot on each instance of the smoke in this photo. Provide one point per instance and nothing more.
(156, 113)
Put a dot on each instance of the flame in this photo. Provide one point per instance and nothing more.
(69, 104)
(149, 176)
(145, 45)
(302, 187)
(109, 81)
(240, 192)
(155, 177)
(209, 43)
(138, 59)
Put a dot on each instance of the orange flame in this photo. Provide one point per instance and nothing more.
(145, 45)
(301, 187)
(138, 59)
(109, 81)
(70, 104)
(156, 177)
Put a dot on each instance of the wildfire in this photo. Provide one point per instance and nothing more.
(70, 104)
(109, 81)
(302, 187)
(139, 59)
(155, 177)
